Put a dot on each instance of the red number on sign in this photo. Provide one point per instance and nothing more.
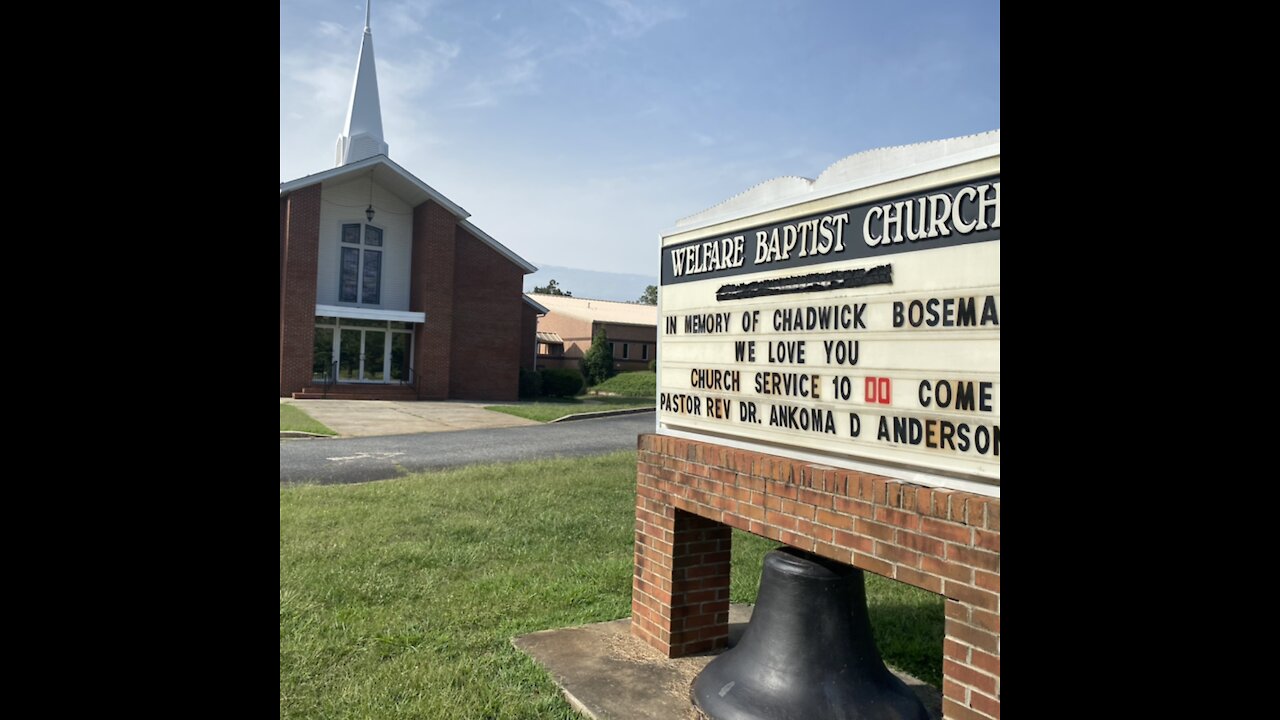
(878, 390)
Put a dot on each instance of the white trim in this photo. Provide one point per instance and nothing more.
(939, 163)
(359, 313)
(542, 309)
(355, 167)
(912, 476)
(502, 249)
(432, 193)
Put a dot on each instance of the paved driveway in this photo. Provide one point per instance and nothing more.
(364, 418)
(361, 459)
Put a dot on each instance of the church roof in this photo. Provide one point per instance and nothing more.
(601, 310)
(408, 188)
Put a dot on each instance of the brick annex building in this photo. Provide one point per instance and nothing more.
(567, 329)
(387, 290)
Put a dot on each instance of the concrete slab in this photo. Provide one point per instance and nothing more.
(608, 675)
(364, 418)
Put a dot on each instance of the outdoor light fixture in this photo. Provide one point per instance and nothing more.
(368, 212)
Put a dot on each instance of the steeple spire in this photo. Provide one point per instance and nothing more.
(362, 134)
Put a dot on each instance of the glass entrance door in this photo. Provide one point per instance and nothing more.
(369, 351)
(362, 355)
(322, 356)
(375, 354)
(400, 345)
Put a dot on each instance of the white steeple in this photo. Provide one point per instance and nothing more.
(362, 135)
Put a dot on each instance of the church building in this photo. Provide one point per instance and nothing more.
(387, 289)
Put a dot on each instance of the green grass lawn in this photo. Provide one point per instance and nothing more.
(548, 409)
(631, 384)
(291, 418)
(399, 598)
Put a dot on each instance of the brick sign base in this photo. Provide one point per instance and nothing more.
(690, 493)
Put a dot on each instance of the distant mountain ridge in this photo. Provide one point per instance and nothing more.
(594, 284)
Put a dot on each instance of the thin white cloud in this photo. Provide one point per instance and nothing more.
(519, 51)
(515, 78)
(606, 21)
(632, 19)
(402, 18)
(403, 81)
(319, 79)
(315, 87)
(331, 29)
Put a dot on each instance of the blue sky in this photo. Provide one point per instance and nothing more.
(575, 131)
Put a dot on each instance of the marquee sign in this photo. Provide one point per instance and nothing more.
(867, 332)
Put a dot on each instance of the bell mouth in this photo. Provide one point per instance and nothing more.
(794, 561)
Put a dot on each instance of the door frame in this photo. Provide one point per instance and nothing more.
(388, 333)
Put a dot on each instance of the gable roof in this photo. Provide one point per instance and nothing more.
(601, 310)
(408, 188)
(503, 250)
(387, 173)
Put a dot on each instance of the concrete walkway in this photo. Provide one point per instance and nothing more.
(365, 418)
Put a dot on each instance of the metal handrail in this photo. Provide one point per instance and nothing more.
(330, 377)
(415, 381)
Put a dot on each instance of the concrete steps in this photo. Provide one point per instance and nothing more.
(357, 391)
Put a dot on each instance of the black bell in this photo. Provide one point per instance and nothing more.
(807, 653)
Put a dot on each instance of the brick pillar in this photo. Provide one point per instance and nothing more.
(971, 662)
(431, 291)
(680, 591)
(299, 253)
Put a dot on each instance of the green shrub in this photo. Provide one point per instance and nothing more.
(561, 382)
(597, 365)
(530, 383)
(630, 384)
(653, 366)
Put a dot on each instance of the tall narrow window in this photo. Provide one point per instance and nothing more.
(350, 271)
(371, 288)
(361, 268)
(624, 351)
(644, 352)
